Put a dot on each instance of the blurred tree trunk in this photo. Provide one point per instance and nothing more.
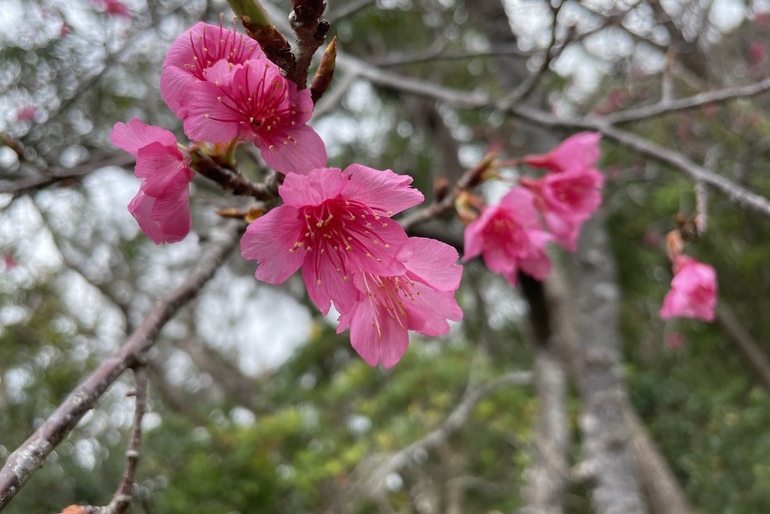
(601, 384)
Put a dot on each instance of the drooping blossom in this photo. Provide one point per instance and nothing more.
(693, 291)
(254, 102)
(162, 206)
(420, 299)
(566, 199)
(580, 150)
(332, 224)
(194, 52)
(113, 7)
(510, 237)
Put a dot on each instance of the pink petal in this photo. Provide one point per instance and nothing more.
(270, 241)
(207, 115)
(429, 310)
(498, 260)
(174, 85)
(580, 150)
(299, 151)
(161, 168)
(385, 191)
(520, 203)
(134, 135)
(474, 235)
(164, 221)
(326, 285)
(537, 267)
(312, 189)
(433, 263)
(387, 345)
(565, 229)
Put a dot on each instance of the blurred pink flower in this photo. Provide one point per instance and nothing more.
(510, 237)
(334, 224)
(580, 150)
(254, 102)
(421, 299)
(566, 200)
(113, 7)
(194, 52)
(8, 262)
(162, 206)
(693, 291)
(26, 113)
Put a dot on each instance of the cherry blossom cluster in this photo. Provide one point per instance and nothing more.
(512, 235)
(336, 225)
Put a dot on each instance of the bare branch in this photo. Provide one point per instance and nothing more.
(26, 459)
(666, 107)
(436, 52)
(58, 175)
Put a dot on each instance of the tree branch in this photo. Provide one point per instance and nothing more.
(666, 107)
(751, 352)
(26, 459)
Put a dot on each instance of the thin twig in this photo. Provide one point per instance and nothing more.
(121, 501)
(469, 178)
(28, 457)
(456, 420)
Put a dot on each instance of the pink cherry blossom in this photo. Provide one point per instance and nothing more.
(162, 206)
(577, 151)
(333, 224)
(421, 299)
(254, 102)
(510, 237)
(194, 52)
(693, 291)
(566, 200)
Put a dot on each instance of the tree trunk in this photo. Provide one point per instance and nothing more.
(602, 388)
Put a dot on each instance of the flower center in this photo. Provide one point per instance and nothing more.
(338, 230)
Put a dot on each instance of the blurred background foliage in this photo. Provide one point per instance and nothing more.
(252, 421)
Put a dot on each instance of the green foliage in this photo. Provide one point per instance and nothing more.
(306, 453)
